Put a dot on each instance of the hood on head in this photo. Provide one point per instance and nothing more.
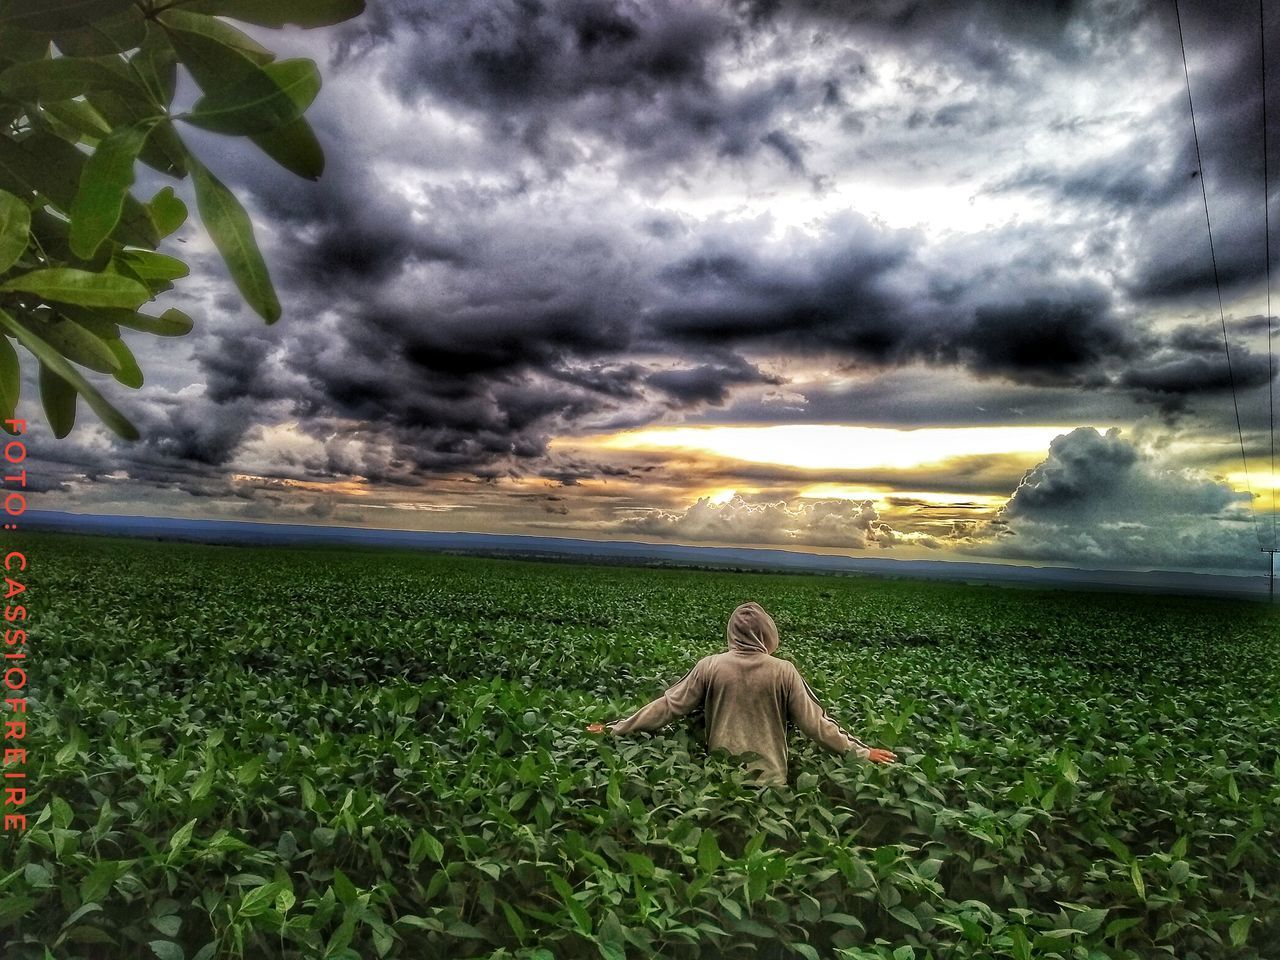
(751, 630)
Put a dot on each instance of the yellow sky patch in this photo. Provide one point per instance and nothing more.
(833, 446)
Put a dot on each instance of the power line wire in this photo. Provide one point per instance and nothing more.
(1266, 219)
(1222, 315)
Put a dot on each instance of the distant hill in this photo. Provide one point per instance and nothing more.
(631, 552)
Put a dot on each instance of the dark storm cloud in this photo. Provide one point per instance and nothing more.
(1098, 499)
(637, 74)
(708, 383)
(506, 244)
(1155, 177)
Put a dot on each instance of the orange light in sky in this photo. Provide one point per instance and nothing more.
(835, 446)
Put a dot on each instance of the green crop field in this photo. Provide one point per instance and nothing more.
(258, 752)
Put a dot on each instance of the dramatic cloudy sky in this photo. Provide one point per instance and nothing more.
(917, 279)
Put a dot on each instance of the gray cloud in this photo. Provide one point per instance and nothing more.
(1098, 499)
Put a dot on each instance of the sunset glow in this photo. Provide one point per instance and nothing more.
(837, 446)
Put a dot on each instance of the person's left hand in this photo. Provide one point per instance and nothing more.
(595, 728)
(882, 756)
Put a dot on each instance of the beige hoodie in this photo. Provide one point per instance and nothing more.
(748, 696)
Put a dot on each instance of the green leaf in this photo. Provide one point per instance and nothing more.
(1239, 931)
(708, 852)
(424, 845)
(343, 888)
(258, 100)
(903, 915)
(576, 910)
(69, 285)
(10, 379)
(77, 343)
(54, 15)
(59, 401)
(248, 771)
(232, 233)
(295, 147)
(213, 51)
(80, 117)
(1138, 883)
(64, 78)
(106, 178)
(178, 842)
(14, 908)
(156, 65)
(114, 34)
(170, 323)
(169, 925)
(15, 229)
(1120, 925)
(167, 211)
(1020, 946)
(258, 900)
(96, 885)
(1089, 920)
(129, 374)
(285, 900)
(166, 950)
(154, 266)
(203, 784)
(83, 910)
(280, 13)
(47, 165)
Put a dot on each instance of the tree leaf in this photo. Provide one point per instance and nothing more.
(115, 34)
(258, 100)
(129, 374)
(104, 182)
(69, 285)
(171, 323)
(15, 229)
(295, 147)
(149, 265)
(54, 15)
(64, 78)
(10, 378)
(79, 116)
(280, 13)
(232, 233)
(58, 398)
(75, 342)
(45, 164)
(156, 65)
(213, 51)
(167, 211)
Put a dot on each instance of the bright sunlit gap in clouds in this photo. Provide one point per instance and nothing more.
(834, 446)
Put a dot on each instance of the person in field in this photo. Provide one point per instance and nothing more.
(748, 695)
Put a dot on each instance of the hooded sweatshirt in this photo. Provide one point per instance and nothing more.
(748, 695)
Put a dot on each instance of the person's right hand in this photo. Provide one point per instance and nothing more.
(881, 756)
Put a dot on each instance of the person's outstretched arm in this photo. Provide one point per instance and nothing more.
(681, 698)
(807, 713)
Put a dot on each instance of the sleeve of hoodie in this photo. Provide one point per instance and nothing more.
(808, 714)
(681, 698)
